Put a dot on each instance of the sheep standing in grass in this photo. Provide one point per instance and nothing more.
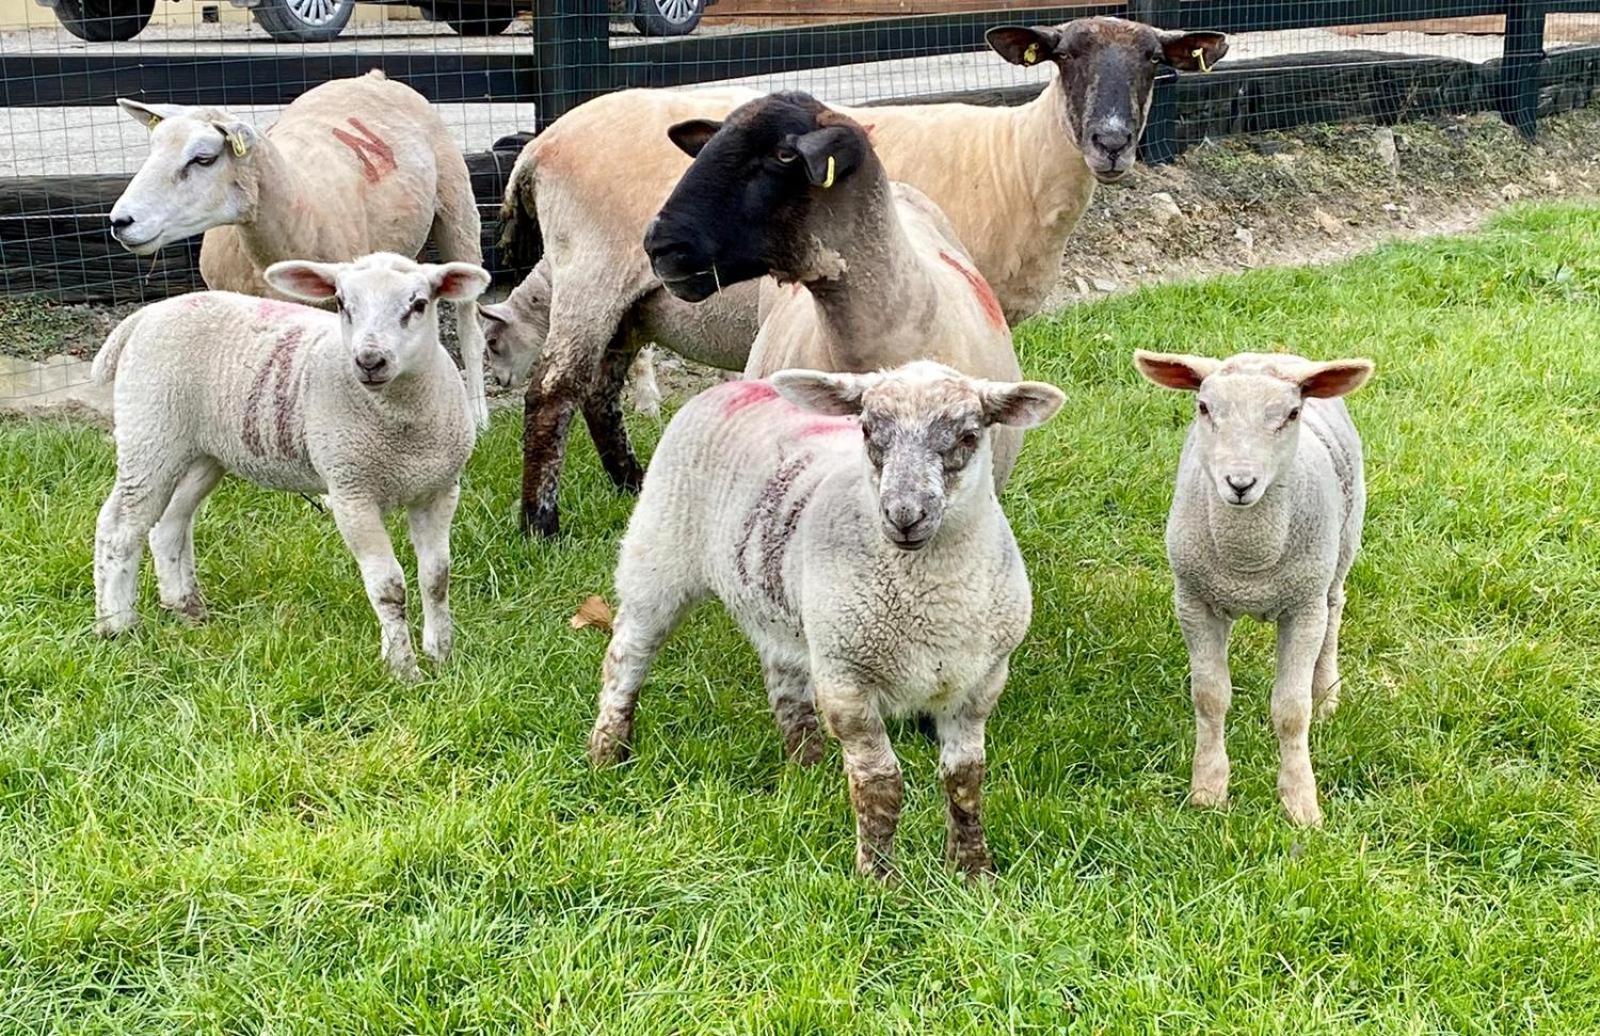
(363, 405)
(353, 166)
(1265, 522)
(849, 523)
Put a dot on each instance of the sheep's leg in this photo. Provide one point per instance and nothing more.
(545, 419)
(794, 710)
(961, 768)
(602, 411)
(470, 340)
(876, 787)
(643, 624)
(361, 525)
(1300, 638)
(127, 516)
(642, 380)
(172, 540)
(1325, 681)
(430, 535)
(1211, 687)
(456, 234)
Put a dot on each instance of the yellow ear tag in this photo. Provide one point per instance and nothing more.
(1031, 55)
(236, 141)
(1200, 55)
(829, 181)
(155, 120)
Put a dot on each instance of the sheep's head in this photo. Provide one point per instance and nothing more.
(514, 330)
(387, 306)
(741, 210)
(924, 429)
(1248, 411)
(1108, 69)
(190, 181)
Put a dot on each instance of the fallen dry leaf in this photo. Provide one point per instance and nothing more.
(594, 611)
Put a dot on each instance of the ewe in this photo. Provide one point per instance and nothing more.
(851, 528)
(1265, 522)
(352, 167)
(363, 405)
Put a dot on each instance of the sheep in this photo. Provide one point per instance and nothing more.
(1013, 181)
(849, 524)
(351, 167)
(1265, 521)
(875, 276)
(363, 405)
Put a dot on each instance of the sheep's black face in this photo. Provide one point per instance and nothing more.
(1108, 70)
(741, 209)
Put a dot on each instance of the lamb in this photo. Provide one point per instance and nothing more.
(849, 524)
(351, 167)
(363, 405)
(875, 275)
(1265, 522)
(1013, 181)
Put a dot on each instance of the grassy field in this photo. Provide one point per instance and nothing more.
(247, 827)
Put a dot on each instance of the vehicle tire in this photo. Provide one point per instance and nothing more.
(303, 21)
(103, 21)
(469, 18)
(667, 17)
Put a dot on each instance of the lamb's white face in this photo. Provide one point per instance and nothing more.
(387, 307)
(1248, 411)
(189, 183)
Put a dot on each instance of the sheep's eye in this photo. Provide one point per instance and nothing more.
(203, 160)
(1205, 411)
(1294, 415)
(785, 154)
(968, 440)
(418, 306)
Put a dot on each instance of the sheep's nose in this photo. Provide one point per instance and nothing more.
(371, 362)
(903, 517)
(1240, 484)
(121, 222)
(1112, 142)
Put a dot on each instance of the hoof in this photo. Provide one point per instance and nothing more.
(405, 670)
(1302, 809)
(1208, 796)
(114, 626)
(608, 748)
(876, 866)
(541, 520)
(191, 609)
(972, 864)
(1326, 706)
(805, 748)
(438, 650)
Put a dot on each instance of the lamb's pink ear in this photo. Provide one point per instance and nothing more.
(1174, 370)
(303, 279)
(691, 136)
(1023, 404)
(458, 282)
(836, 395)
(1335, 378)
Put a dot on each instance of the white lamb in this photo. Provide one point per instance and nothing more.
(849, 523)
(363, 405)
(353, 166)
(1265, 522)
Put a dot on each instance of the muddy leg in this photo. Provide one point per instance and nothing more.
(545, 420)
(876, 787)
(602, 411)
(961, 769)
(361, 525)
(794, 710)
(136, 503)
(172, 540)
(642, 626)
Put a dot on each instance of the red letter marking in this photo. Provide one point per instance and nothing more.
(377, 158)
(980, 288)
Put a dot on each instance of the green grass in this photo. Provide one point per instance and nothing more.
(248, 827)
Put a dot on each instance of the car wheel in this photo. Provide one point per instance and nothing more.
(667, 17)
(103, 21)
(471, 19)
(303, 21)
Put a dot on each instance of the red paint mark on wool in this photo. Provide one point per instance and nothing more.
(744, 394)
(272, 309)
(828, 426)
(980, 288)
(377, 157)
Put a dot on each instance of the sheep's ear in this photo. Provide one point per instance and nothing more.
(148, 115)
(1023, 46)
(830, 154)
(1174, 371)
(1335, 378)
(241, 136)
(457, 282)
(691, 136)
(494, 313)
(1024, 404)
(1193, 51)
(836, 395)
(303, 279)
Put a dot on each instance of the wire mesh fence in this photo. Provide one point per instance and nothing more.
(498, 70)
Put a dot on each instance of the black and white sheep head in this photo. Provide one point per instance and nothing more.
(924, 429)
(388, 317)
(190, 181)
(1248, 411)
(743, 207)
(1108, 69)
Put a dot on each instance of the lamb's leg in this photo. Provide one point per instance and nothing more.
(1325, 681)
(602, 411)
(172, 540)
(545, 420)
(961, 767)
(876, 788)
(430, 536)
(361, 525)
(794, 709)
(456, 235)
(129, 513)
(1300, 637)
(642, 379)
(644, 622)
(1211, 687)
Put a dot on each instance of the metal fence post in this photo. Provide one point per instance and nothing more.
(1159, 145)
(1519, 68)
(572, 46)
